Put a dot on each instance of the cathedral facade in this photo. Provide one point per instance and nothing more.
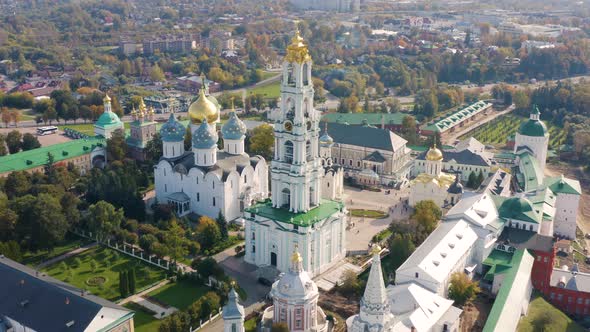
(205, 180)
(300, 212)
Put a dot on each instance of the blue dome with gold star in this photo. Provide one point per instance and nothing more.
(172, 130)
(234, 128)
(205, 137)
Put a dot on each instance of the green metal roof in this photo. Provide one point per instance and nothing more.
(447, 122)
(532, 176)
(563, 185)
(375, 119)
(502, 296)
(518, 209)
(108, 119)
(321, 212)
(499, 262)
(533, 128)
(38, 157)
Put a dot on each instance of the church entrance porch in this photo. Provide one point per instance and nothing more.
(181, 203)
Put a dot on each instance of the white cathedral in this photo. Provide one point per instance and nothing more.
(204, 180)
(305, 210)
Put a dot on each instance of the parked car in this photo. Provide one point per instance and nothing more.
(587, 235)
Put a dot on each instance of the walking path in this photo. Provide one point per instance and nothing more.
(66, 255)
(139, 298)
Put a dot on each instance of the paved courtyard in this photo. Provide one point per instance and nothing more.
(44, 140)
(359, 236)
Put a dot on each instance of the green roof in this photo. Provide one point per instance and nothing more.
(375, 119)
(504, 292)
(499, 262)
(518, 209)
(108, 119)
(563, 185)
(321, 212)
(38, 157)
(533, 128)
(532, 176)
(452, 119)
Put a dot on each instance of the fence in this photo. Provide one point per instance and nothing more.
(128, 249)
(211, 318)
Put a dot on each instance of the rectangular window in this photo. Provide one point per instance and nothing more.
(552, 295)
(417, 275)
(298, 323)
(253, 249)
(198, 197)
(165, 188)
(213, 201)
(559, 297)
(580, 300)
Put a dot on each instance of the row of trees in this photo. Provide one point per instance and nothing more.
(127, 282)
(14, 142)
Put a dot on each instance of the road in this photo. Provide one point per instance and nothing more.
(450, 138)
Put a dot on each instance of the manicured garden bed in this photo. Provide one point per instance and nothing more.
(367, 213)
(78, 271)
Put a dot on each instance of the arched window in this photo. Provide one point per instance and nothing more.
(308, 152)
(290, 74)
(305, 74)
(311, 197)
(286, 198)
(288, 156)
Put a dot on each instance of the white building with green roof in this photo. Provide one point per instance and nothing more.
(534, 136)
(300, 213)
(108, 121)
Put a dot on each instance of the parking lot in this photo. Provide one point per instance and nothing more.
(44, 140)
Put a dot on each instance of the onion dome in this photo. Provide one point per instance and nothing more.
(172, 130)
(296, 283)
(434, 154)
(203, 109)
(326, 140)
(108, 119)
(106, 98)
(234, 128)
(456, 187)
(205, 137)
(534, 126)
(297, 51)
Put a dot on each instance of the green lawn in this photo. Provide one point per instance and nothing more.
(269, 74)
(109, 264)
(85, 128)
(271, 90)
(555, 319)
(180, 294)
(367, 213)
(143, 320)
(35, 258)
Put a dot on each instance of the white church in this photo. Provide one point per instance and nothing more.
(305, 209)
(204, 180)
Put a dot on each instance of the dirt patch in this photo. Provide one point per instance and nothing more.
(475, 314)
(335, 302)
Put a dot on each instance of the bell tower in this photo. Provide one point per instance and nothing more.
(295, 167)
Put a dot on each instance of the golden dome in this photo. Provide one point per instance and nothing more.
(297, 51)
(434, 154)
(106, 98)
(203, 108)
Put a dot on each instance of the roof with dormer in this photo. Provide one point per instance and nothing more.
(368, 137)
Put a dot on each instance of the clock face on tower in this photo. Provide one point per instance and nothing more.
(288, 126)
